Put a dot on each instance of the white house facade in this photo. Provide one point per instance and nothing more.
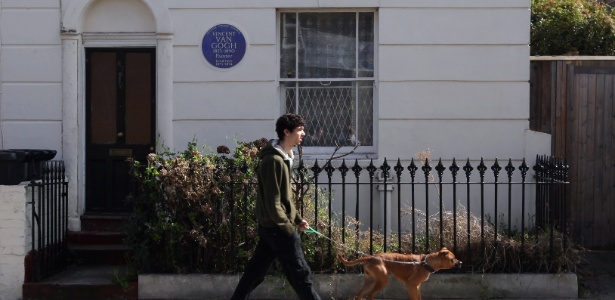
(93, 78)
(450, 76)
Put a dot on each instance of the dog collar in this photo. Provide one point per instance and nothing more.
(426, 265)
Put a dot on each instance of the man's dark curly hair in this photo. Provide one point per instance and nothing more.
(288, 121)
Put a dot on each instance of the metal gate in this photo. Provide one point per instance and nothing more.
(49, 213)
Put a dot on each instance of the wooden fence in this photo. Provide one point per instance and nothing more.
(572, 98)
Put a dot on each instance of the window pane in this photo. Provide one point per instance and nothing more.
(138, 99)
(327, 45)
(365, 107)
(366, 45)
(324, 47)
(336, 113)
(103, 93)
(288, 45)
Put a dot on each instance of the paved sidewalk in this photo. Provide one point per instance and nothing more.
(596, 275)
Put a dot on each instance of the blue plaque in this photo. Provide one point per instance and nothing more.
(223, 46)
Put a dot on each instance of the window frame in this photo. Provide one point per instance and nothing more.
(325, 152)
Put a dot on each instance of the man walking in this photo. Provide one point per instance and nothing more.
(277, 216)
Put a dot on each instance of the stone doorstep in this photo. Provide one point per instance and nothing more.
(344, 286)
(83, 282)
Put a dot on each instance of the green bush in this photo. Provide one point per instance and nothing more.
(187, 216)
(573, 27)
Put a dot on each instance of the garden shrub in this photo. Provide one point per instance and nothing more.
(187, 216)
(573, 27)
(193, 214)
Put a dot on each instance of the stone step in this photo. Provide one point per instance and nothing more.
(74, 238)
(97, 259)
(100, 241)
(112, 255)
(103, 222)
(84, 282)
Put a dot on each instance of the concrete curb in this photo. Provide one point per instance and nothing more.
(343, 286)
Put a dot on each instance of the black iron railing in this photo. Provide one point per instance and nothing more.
(49, 207)
(474, 207)
(551, 200)
(455, 185)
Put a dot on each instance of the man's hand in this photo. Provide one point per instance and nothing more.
(303, 225)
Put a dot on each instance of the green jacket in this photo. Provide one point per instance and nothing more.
(274, 205)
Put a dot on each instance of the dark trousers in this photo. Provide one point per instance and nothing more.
(274, 243)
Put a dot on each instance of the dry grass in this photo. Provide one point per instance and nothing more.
(493, 254)
(482, 251)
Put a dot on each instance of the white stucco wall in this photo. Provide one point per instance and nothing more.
(462, 75)
(441, 79)
(31, 75)
(213, 102)
(452, 75)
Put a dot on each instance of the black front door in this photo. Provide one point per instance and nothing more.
(120, 117)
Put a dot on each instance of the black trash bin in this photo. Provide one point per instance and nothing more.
(12, 167)
(35, 159)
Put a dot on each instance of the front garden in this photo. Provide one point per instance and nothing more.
(193, 214)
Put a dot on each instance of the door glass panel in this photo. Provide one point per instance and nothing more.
(103, 98)
(138, 98)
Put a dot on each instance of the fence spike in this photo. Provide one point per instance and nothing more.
(399, 169)
(412, 168)
(523, 168)
(385, 169)
(343, 168)
(496, 169)
(329, 169)
(316, 169)
(509, 168)
(454, 168)
(371, 168)
(357, 169)
(440, 168)
(426, 168)
(468, 169)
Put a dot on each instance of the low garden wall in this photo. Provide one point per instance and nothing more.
(14, 239)
(344, 286)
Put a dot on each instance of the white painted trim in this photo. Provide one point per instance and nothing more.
(74, 43)
(571, 58)
(72, 136)
(119, 39)
(72, 16)
(298, 4)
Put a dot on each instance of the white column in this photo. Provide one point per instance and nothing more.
(164, 94)
(72, 141)
(386, 195)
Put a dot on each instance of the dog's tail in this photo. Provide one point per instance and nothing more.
(355, 262)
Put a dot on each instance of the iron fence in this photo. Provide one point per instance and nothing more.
(49, 215)
(537, 203)
(408, 206)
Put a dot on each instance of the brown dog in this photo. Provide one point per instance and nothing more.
(410, 269)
